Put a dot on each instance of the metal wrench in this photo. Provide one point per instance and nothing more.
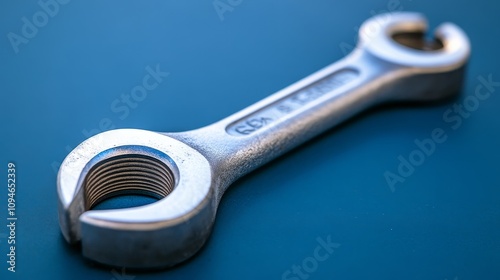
(189, 171)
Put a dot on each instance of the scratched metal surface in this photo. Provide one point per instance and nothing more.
(326, 210)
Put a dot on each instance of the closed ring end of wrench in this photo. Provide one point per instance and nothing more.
(126, 237)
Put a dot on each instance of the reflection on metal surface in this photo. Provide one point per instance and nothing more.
(204, 162)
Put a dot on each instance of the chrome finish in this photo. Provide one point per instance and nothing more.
(190, 171)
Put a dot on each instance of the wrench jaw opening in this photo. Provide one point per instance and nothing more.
(160, 234)
(427, 69)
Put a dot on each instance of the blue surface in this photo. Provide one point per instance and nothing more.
(442, 222)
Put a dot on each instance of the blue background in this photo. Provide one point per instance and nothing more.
(442, 222)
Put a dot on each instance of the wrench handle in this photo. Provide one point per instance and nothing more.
(261, 132)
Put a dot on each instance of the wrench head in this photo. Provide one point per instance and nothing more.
(427, 69)
(121, 161)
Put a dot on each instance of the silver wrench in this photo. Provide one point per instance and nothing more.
(189, 171)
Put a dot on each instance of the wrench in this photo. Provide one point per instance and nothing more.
(189, 171)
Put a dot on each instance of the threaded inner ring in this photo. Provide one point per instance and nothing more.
(127, 174)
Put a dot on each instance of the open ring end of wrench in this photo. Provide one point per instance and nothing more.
(189, 171)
